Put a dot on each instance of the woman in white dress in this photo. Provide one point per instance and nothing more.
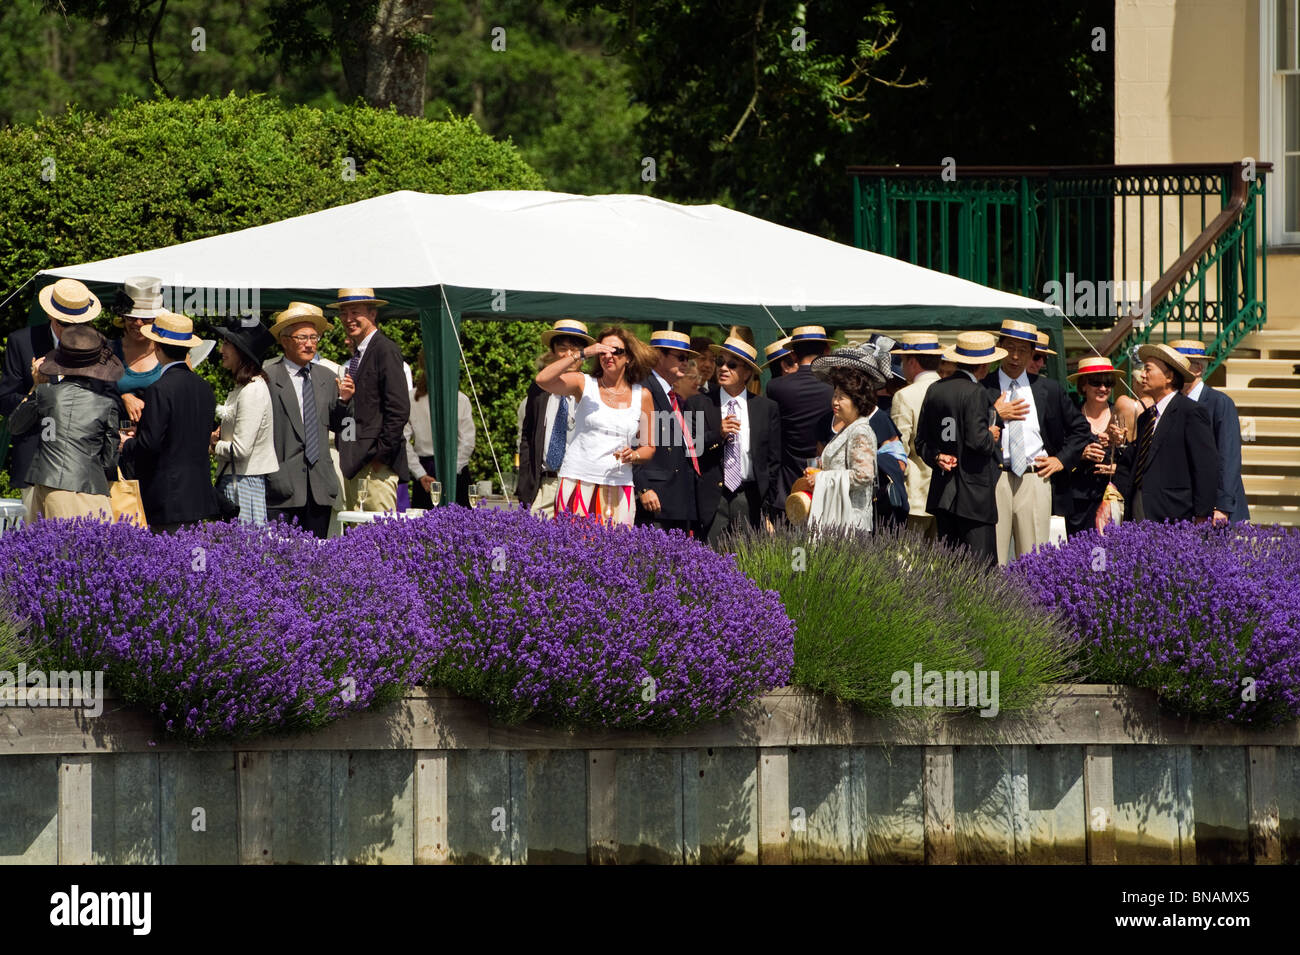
(847, 467)
(612, 427)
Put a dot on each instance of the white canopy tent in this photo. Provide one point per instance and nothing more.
(542, 255)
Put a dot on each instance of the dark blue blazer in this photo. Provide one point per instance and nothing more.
(1231, 494)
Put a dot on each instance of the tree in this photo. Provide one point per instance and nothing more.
(382, 45)
(745, 102)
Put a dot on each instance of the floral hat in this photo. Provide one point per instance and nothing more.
(870, 358)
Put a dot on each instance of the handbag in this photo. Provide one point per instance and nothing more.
(125, 498)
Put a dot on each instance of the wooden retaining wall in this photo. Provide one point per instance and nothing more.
(1097, 776)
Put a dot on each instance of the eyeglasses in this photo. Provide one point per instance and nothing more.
(304, 339)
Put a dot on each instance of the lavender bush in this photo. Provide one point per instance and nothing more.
(233, 630)
(1209, 618)
(227, 630)
(582, 625)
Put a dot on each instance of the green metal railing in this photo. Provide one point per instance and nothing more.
(1144, 252)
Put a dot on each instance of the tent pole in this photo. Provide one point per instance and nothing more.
(442, 368)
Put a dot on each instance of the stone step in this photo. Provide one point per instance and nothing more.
(1282, 488)
(1242, 371)
(1271, 343)
(1274, 514)
(1270, 400)
(1261, 428)
(1270, 455)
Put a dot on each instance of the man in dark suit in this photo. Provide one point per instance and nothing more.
(740, 463)
(66, 302)
(1171, 472)
(170, 447)
(372, 448)
(804, 401)
(956, 435)
(665, 486)
(707, 367)
(1043, 435)
(541, 444)
(1230, 498)
(303, 393)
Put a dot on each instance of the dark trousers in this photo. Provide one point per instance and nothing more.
(462, 487)
(645, 517)
(981, 539)
(737, 510)
(419, 496)
(311, 517)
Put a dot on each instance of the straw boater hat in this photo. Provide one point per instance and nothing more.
(168, 328)
(1168, 355)
(809, 333)
(1021, 330)
(69, 302)
(1194, 350)
(253, 339)
(356, 296)
(776, 351)
(82, 352)
(738, 348)
(974, 348)
(1096, 365)
(144, 292)
(1043, 342)
(567, 326)
(870, 358)
(672, 340)
(918, 343)
(296, 314)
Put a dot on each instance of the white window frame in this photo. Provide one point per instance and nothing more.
(1272, 124)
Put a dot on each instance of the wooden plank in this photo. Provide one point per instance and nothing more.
(891, 809)
(479, 807)
(691, 774)
(1099, 804)
(1021, 832)
(256, 807)
(649, 800)
(198, 807)
(774, 806)
(550, 806)
(76, 810)
(1184, 806)
(1265, 815)
(982, 805)
(820, 784)
(1054, 818)
(304, 802)
(126, 810)
(1077, 715)
(940, 818)
(602, 806)
(1221, 804)
(431, 846)
(1288, 803)
(1150, 826)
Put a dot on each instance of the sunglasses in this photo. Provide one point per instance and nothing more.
(1101, 382)
(617, 352)
(734, 365)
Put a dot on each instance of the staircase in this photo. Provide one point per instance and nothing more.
(1192, 233)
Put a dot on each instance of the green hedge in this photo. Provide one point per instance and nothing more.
(154, 174)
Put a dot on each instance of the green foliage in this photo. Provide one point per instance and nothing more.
(13, 648)
(495, 352)
(154, 174)
(869, 605)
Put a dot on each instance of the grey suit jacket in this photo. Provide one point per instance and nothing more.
(288, 487)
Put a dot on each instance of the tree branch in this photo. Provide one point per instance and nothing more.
(753, 100)
(153, 59)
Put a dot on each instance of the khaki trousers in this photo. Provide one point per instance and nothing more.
(372, 490)
(544, 502)
(1025, 509)
(52, 502)
(924, 524)
(27, 494)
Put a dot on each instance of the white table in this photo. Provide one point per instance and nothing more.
(12, 513)
(344, 519)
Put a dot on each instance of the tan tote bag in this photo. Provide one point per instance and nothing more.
(127, 504)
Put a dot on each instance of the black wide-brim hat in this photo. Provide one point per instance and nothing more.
(247, 334)
(870, 358)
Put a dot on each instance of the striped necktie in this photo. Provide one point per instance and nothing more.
(354, 363)
(310, 427)
(1144, 449)
(686, 435)
(1016, 439)
(731, 454)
